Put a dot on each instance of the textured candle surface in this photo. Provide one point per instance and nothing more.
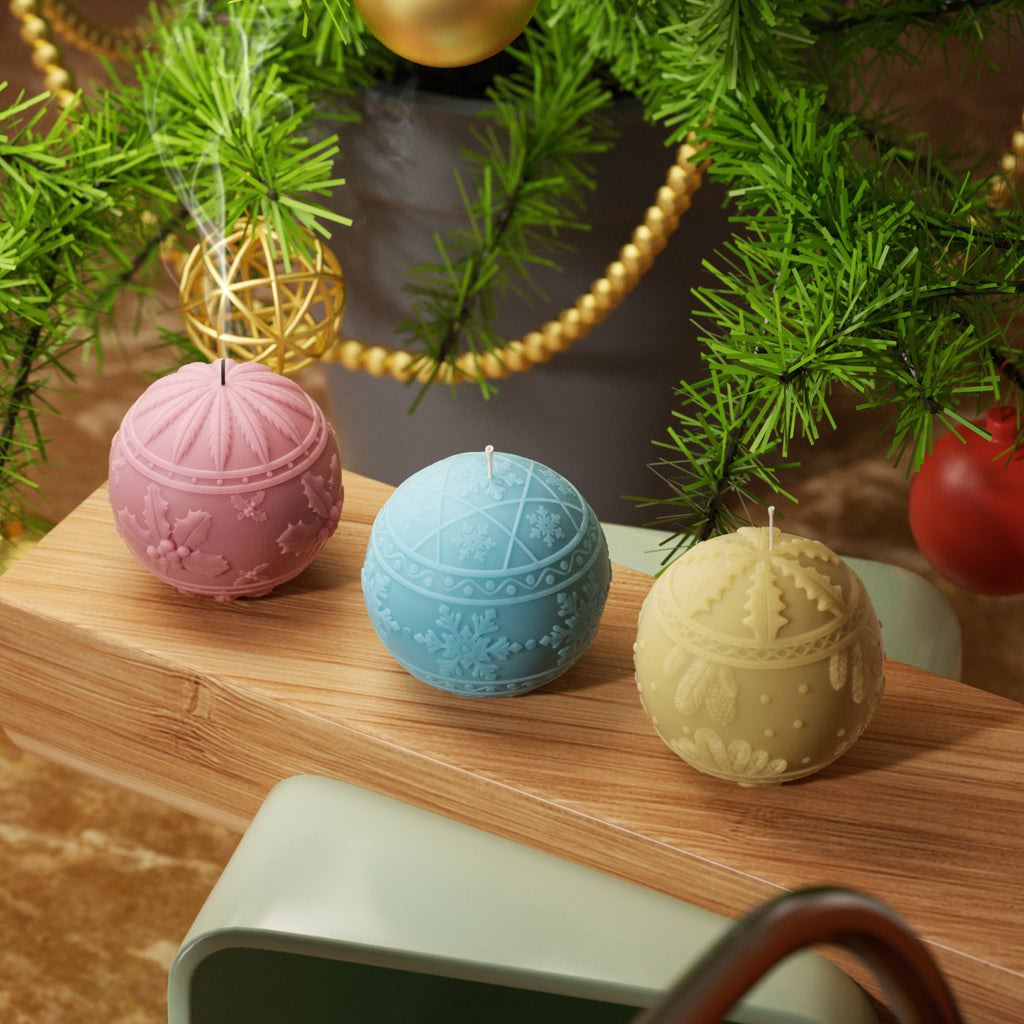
(486, 579)
(759, 656)
(225, 479)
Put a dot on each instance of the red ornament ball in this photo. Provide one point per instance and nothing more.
(967, 508)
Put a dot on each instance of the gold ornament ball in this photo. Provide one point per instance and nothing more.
(446, 33)
(241, 299)
(759, 657)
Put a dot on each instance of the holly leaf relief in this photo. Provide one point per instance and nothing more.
(131, 524)
(299, 537)
(154, 513)
(173, 547)
(193, 528)
(248, 506)
(205, 564)
(318, 494)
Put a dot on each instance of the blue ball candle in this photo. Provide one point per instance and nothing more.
(486, 574)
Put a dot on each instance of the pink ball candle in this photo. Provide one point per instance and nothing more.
(225, 479)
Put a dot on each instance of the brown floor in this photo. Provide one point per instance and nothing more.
(98, 886)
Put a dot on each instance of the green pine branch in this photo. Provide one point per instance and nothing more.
(852, 267)
(861, 262)
(232, 128)
(530, 172)
(66, 186)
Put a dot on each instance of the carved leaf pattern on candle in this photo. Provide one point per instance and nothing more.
(857, 665)
(738, 758)
(759, 656)
(765, 606)
(248, 506)
(711, 686)
(254, 576)
(239, 405)
(236, 479)
(304, 536)
(173, 545)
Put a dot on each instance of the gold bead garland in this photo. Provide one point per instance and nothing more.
(621, 276)
(40, 18)
(1012, 165)
(87, 35)
(635, 258)
(46, 55)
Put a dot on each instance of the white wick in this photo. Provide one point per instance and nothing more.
(490, 460)
(771, 528)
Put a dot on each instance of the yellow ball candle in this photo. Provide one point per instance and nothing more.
(759, 656)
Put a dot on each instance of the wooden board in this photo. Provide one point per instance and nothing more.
(207, 705)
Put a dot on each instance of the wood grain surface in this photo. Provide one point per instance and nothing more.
(207, 705)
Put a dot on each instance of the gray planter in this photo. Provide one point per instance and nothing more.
(591, 413)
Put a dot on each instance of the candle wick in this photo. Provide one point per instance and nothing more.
(223, 368)
(771, 527)
(490, 461)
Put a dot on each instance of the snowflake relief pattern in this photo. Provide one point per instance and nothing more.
(579, 613)
(555, 481)
(468, 480)
(473, 540)
(173, 544)
(304, 538)
(408, 515)
(473, 649)
(544, 525)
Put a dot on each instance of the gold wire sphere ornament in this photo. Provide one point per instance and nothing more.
(241, 298)
(446, 33)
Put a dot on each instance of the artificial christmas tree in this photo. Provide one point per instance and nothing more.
(861, 261)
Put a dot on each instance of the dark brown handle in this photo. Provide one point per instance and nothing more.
(911, 978)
